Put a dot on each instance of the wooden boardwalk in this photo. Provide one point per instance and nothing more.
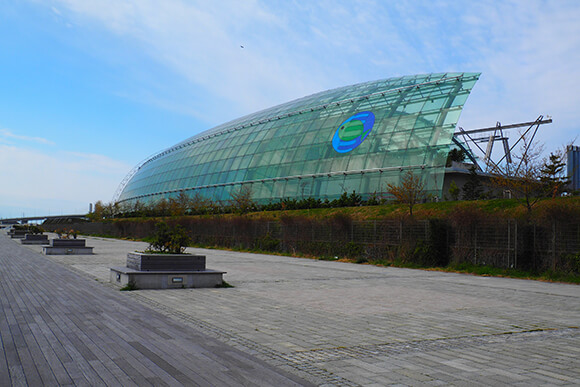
(57, 328)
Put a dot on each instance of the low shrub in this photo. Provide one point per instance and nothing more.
(168, 240)
(570, 264)
(268, 243)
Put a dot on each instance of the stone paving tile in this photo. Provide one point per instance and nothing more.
(346, 324)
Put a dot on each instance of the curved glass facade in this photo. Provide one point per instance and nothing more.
(353, 138)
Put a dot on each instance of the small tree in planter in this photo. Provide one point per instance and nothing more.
(29, 228)
(67, 243)
(66, 234)
(168, 240)
(34, 235)
(35, 230)
(166, 251)
(166, 265)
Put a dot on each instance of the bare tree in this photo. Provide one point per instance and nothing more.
(104, 210)
(160, 207)
(179, 205)
(410, 190)
(242, 199)
(200, 204)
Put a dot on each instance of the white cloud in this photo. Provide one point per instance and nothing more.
(529, 54)
(5, 133)
(528, 50)
(94, 163)
(290, 49)
(33, 179)
(202, 44)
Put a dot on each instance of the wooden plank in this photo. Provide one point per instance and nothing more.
(4, 370)
(61, 375)
(31, 373)
(57, 328)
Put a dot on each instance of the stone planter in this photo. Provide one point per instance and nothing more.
(165, 262)
(61, 242)
(17, 234)
(166, 271)
(61, 246)
(35, 239)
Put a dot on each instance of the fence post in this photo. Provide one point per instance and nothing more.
(400, 232)
(475, 244)
(534, 264)
(374, 245)
(553, 245)
(516, 244)
(330, 229)
(508, 240)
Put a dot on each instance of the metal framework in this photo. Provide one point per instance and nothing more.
(498, 135)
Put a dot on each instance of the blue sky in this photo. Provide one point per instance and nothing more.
(89, 88)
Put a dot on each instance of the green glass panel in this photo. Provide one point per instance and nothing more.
(415, 119)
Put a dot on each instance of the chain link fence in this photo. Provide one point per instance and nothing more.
(502, 243)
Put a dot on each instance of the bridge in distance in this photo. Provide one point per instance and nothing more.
(26, 219)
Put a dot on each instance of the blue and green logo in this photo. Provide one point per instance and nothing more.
(352, 132)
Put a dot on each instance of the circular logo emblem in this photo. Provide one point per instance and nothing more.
(352, 132)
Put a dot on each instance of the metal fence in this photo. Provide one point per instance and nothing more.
(503, 243)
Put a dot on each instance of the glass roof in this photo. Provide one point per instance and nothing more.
(358, 137)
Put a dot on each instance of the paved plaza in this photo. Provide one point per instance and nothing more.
(286, 321)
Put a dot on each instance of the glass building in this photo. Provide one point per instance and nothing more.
(353, 138)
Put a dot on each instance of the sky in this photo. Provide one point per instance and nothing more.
(90, 88)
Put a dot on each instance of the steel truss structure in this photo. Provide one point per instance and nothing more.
(497, 135)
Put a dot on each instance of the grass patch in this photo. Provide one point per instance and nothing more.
(129, 287)
(560, 277)
(468, 268)
(97, 235)
(464, 268)
(489, 271)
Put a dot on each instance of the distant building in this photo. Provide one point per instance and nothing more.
(353, 138)
(573, 166)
